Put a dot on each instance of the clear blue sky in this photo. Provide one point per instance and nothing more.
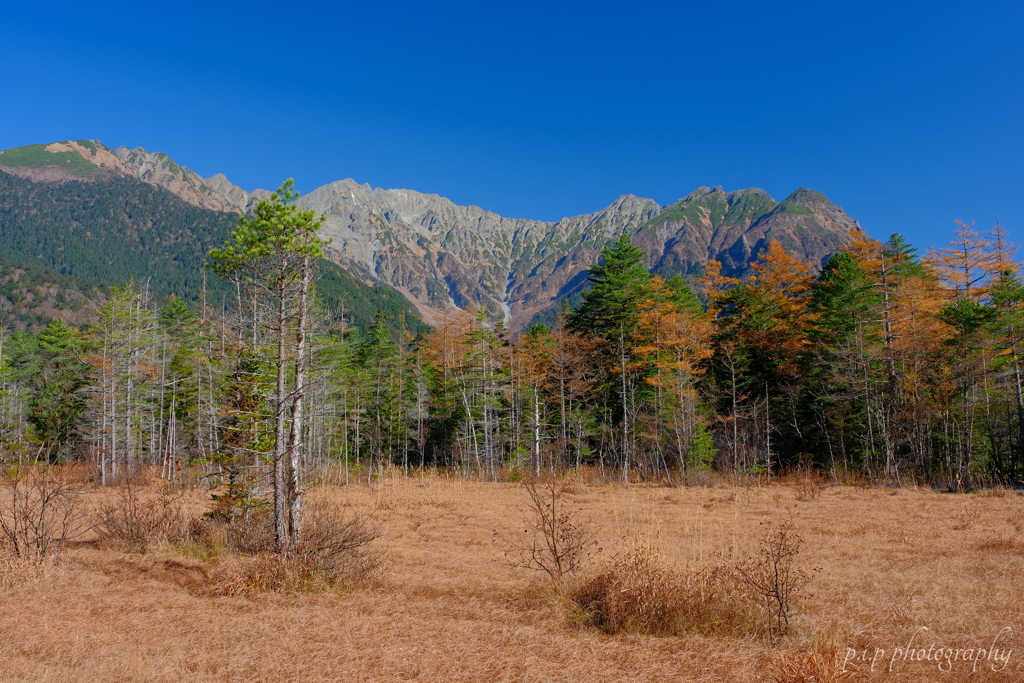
(906, 114)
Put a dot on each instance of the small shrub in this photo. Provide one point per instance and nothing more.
(250, 532)
(333, 542)
(554, 541)
(40, 510)
(639, 594)
(136, 522)
(772, 576)
(808, 485)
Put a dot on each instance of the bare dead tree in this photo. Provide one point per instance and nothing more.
(555, 540)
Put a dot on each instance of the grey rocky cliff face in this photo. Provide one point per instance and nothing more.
(233, 196)
(441, 255)
(160, 170)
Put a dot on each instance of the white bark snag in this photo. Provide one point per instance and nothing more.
(280, 444)
(298, 405)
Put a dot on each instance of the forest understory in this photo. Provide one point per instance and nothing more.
(880, 569)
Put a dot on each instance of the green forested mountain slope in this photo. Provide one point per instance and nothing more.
(110, 229)
(31, 296)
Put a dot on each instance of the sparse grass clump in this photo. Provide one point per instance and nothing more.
(640, 593)
(823, 665)
(15, 571)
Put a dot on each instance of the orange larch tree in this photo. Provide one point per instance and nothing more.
(678, 342)
(967, 265)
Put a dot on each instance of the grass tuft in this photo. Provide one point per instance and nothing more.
(641, 594)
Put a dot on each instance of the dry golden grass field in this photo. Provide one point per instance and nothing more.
(886, 567)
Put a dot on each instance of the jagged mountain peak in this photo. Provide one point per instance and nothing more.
(629, 204)
(806, 196)
(706, 194)
(703, 191)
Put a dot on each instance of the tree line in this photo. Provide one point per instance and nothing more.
(883, 365)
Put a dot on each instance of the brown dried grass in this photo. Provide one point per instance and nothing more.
(807, 666)
(447, 607)
(15, 571)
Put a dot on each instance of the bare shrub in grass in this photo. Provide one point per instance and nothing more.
(250, 533)
(331, 552)
(808, 485)
(773, 577)
(40, 510)
(640, 594)
(137, 522)
(555, 540)
(332, 549)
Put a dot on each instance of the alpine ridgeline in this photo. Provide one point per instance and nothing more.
(441, 256)
(92, 160)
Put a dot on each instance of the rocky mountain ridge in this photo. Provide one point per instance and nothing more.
(441, 255)
(91, 159)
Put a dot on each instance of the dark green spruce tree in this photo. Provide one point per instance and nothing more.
(611, 310)
(56, 400)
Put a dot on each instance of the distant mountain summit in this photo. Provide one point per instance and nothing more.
(441, 256)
